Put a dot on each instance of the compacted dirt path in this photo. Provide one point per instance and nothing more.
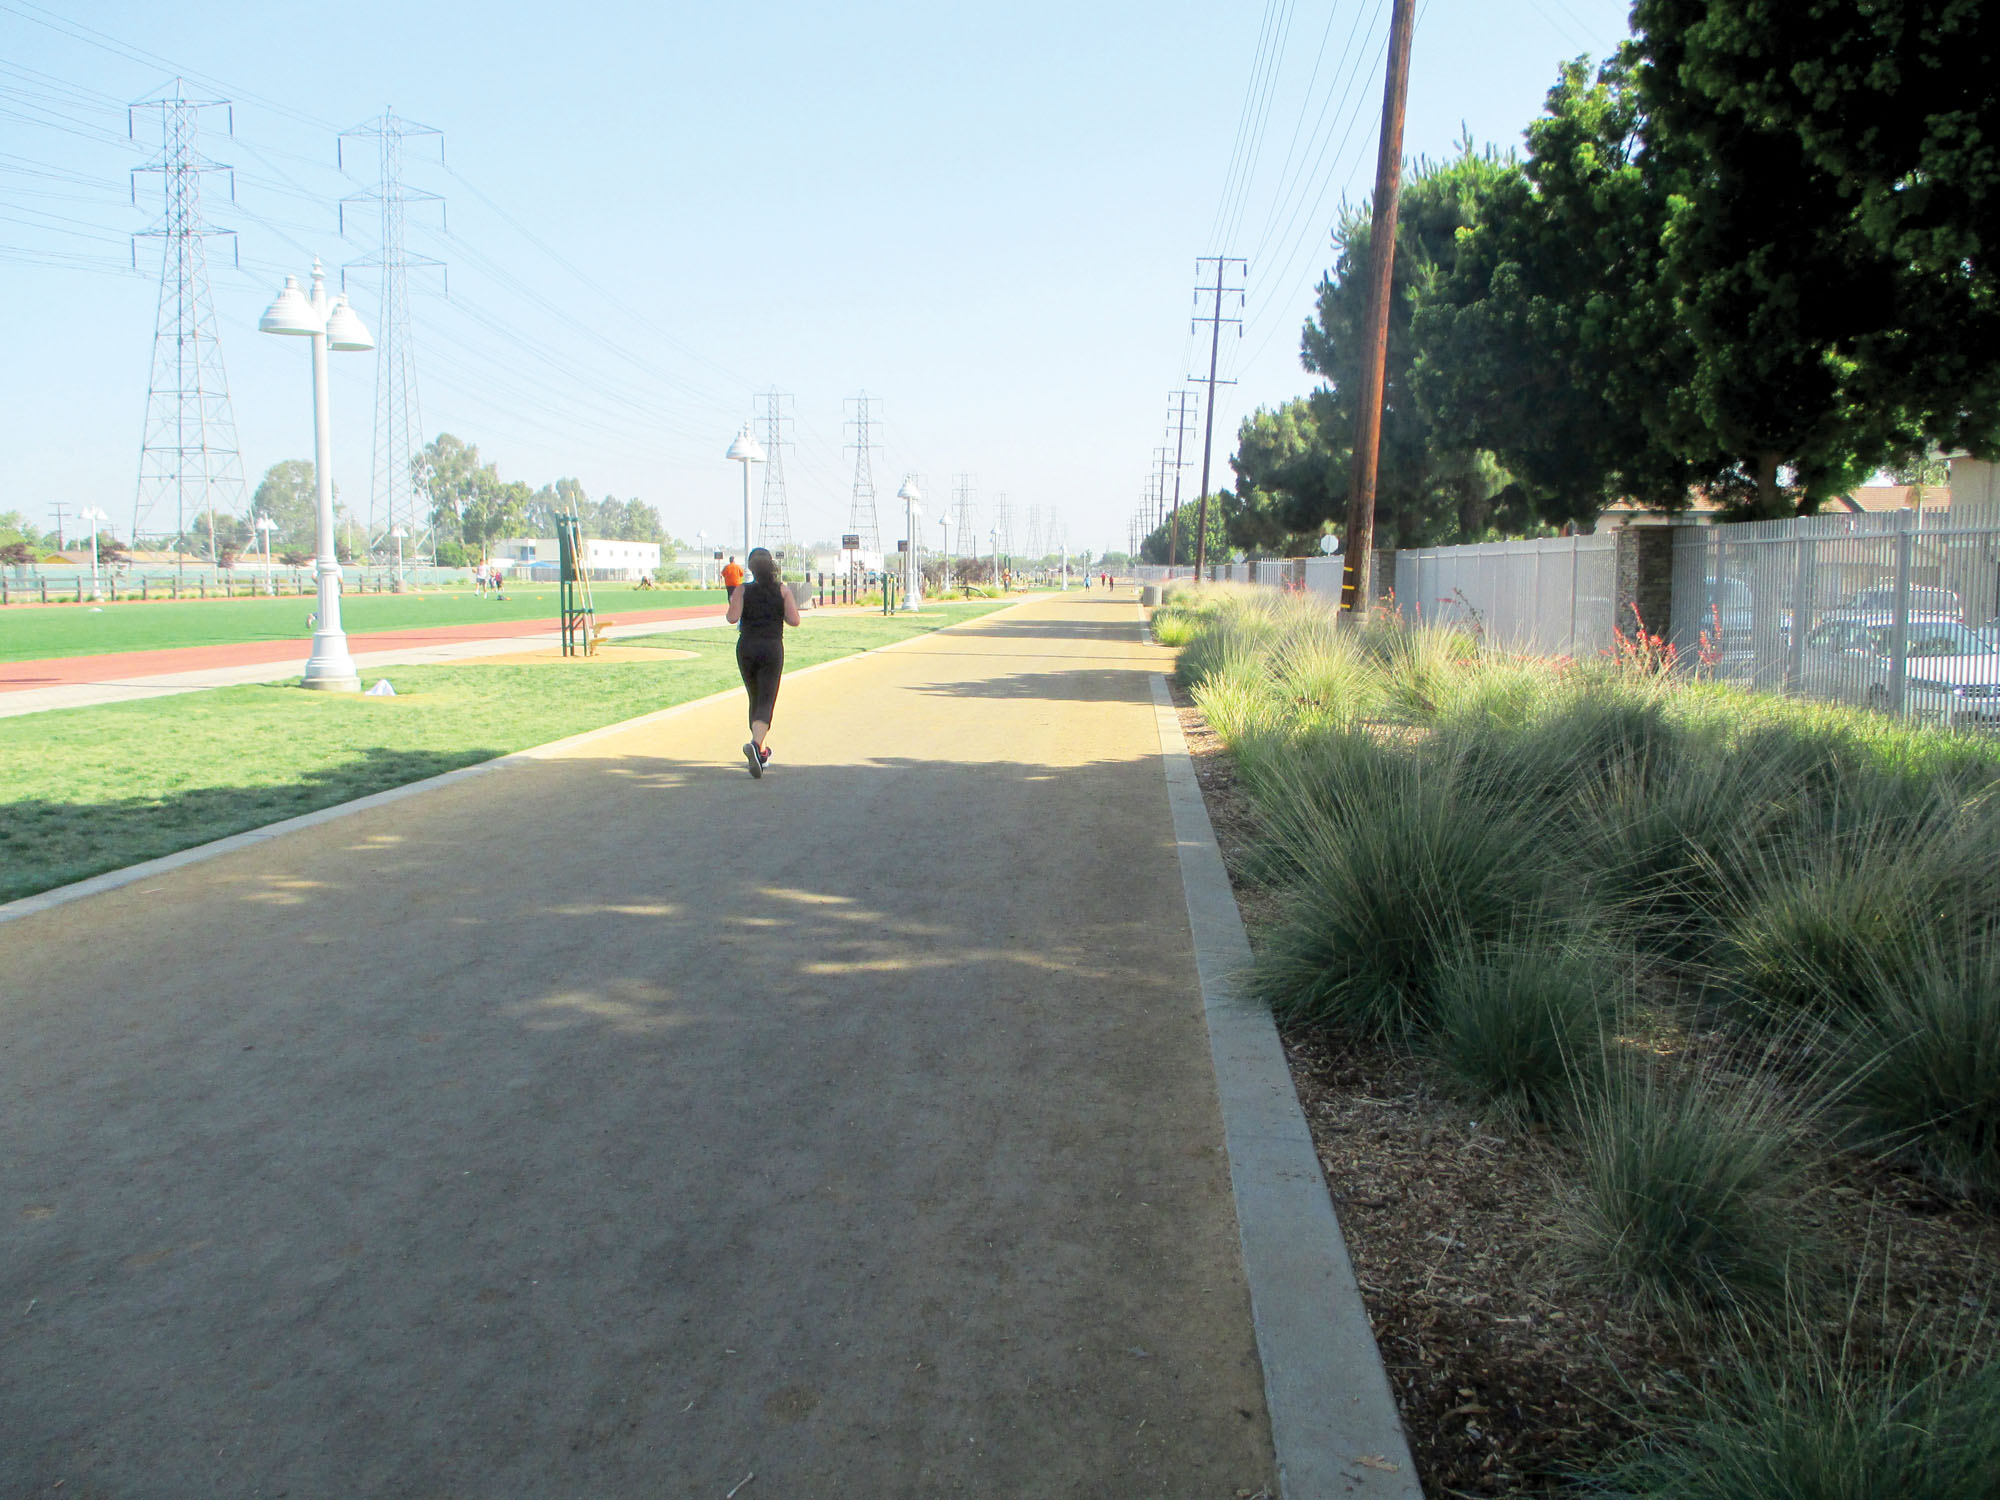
(616, 1125)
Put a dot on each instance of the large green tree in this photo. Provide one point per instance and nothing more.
(1550, 340)
(1155, 548)
(286, 494)
(1832, 245)
(1433, 485)
(449, 472)
(1289, 478)
(1753, 256)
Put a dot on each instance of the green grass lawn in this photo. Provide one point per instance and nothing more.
(29, 634)
(92, 789)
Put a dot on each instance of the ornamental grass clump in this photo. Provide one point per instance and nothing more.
(1520, 1023)
(1803, 1424)
(1920, 1061)
(1420, 666)
(1324, 679)
(1807, 915)
(1396, 867)
(1687, 1178)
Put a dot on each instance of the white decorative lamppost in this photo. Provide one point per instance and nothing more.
(701, 549)
(746, 450)
(332, 325)
(96, 518)
(911, 497)
(265, 526)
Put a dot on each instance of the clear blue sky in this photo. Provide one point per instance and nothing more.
(985, 216)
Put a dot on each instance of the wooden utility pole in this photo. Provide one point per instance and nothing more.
(1356, 582)
(1215, 319)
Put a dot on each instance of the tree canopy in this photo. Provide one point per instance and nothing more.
(286, 494)
(1751, 255)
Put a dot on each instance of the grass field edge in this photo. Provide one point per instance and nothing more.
(111, 880)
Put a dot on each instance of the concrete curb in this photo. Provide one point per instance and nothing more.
(111, 880)
(1334, 1421)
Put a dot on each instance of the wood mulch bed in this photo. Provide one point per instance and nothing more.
(1513, 1372)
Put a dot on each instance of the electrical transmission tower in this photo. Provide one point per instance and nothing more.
(188, 453)
(861, 517)
(1003, 532)
(774, 521)
(395, 500)
(963, 524)
(1034, 549)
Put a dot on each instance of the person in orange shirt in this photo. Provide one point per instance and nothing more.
(732, 573)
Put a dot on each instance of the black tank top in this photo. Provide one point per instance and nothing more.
(763, 610)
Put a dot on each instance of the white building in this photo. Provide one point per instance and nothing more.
(604, 560)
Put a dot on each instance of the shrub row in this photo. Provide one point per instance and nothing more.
(1549, 875)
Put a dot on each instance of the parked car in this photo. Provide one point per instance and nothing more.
(1880, 599)
(1952, 672)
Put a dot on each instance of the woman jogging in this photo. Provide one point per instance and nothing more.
(760, 610)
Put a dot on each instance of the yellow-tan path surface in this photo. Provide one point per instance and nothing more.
(617, 1125)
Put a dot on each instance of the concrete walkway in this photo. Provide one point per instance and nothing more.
(616, 1125)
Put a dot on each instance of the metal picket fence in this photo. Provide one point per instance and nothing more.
(1890, 611)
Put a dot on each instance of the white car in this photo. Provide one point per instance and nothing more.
(1951, 676)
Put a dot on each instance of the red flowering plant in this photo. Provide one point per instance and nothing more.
(1642, 651)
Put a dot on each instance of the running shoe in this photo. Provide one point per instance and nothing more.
(756, 761)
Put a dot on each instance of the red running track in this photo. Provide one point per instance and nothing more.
(122, 666)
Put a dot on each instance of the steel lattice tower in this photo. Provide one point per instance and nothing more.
(963, 526)
(394, 496)
(861, 518)
(1003, 521)
(1033, 551)
(188, 451)
(774, 521)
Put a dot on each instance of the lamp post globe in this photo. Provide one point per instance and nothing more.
(746, 450)
(293, 314)
(912, 498)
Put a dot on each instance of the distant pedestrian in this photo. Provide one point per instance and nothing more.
(760, 610)
(732, 574)
(479, 579)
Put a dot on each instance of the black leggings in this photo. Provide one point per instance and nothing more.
(761, 660)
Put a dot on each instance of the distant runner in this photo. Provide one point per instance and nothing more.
(760, 610)
(732, 573)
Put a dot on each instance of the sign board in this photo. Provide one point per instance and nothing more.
(1329, 544)
(850, 541)
(718, 554)
(903, 544)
